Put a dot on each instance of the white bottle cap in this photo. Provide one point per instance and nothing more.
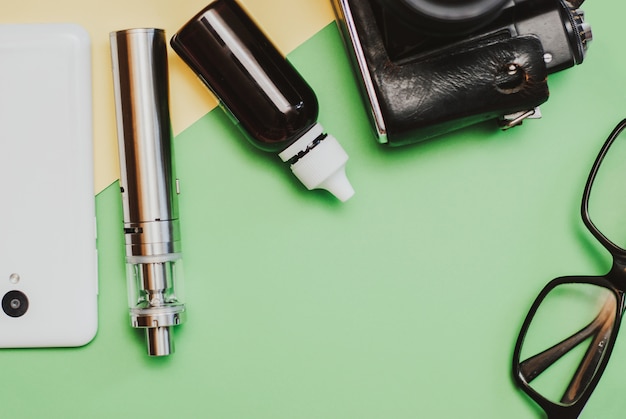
(320, 163)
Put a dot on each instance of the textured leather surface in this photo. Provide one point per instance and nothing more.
(440, 93)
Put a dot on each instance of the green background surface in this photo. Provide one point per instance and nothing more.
(404, 302)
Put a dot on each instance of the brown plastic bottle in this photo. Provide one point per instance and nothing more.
(266, 96)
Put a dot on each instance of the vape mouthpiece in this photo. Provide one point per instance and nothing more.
(159, 341)
(148, 185)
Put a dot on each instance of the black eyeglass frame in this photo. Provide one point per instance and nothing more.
(614, 281)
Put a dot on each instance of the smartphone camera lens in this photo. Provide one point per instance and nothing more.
(15, 303)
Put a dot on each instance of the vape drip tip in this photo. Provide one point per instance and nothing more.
(148, 185)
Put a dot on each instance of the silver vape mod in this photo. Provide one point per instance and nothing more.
(148, 184)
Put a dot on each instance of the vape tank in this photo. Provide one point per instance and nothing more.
(148, 185)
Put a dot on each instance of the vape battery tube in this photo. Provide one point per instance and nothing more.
(148, 185)
(269, 100)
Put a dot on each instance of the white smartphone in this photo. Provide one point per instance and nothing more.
(48, 260)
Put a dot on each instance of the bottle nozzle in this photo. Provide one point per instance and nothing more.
(339, 185)
(319, 161)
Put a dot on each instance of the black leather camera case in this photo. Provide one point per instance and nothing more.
(419, 98)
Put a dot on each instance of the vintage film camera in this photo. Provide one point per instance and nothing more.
(427, 67)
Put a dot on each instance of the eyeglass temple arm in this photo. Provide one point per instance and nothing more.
(588, 366)
(584, 210)
(535, 365)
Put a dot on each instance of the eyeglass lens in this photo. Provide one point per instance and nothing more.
(566, 340)
(607, 199)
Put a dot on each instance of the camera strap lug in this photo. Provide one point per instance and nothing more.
(515, 119)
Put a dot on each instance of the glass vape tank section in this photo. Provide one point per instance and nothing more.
(148, 185)
(266, 96)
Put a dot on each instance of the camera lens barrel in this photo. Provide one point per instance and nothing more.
(578, 30)
(446, 17)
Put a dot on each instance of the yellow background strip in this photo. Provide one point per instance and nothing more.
(287, 22)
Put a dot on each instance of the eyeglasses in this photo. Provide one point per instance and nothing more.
(568, 335)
